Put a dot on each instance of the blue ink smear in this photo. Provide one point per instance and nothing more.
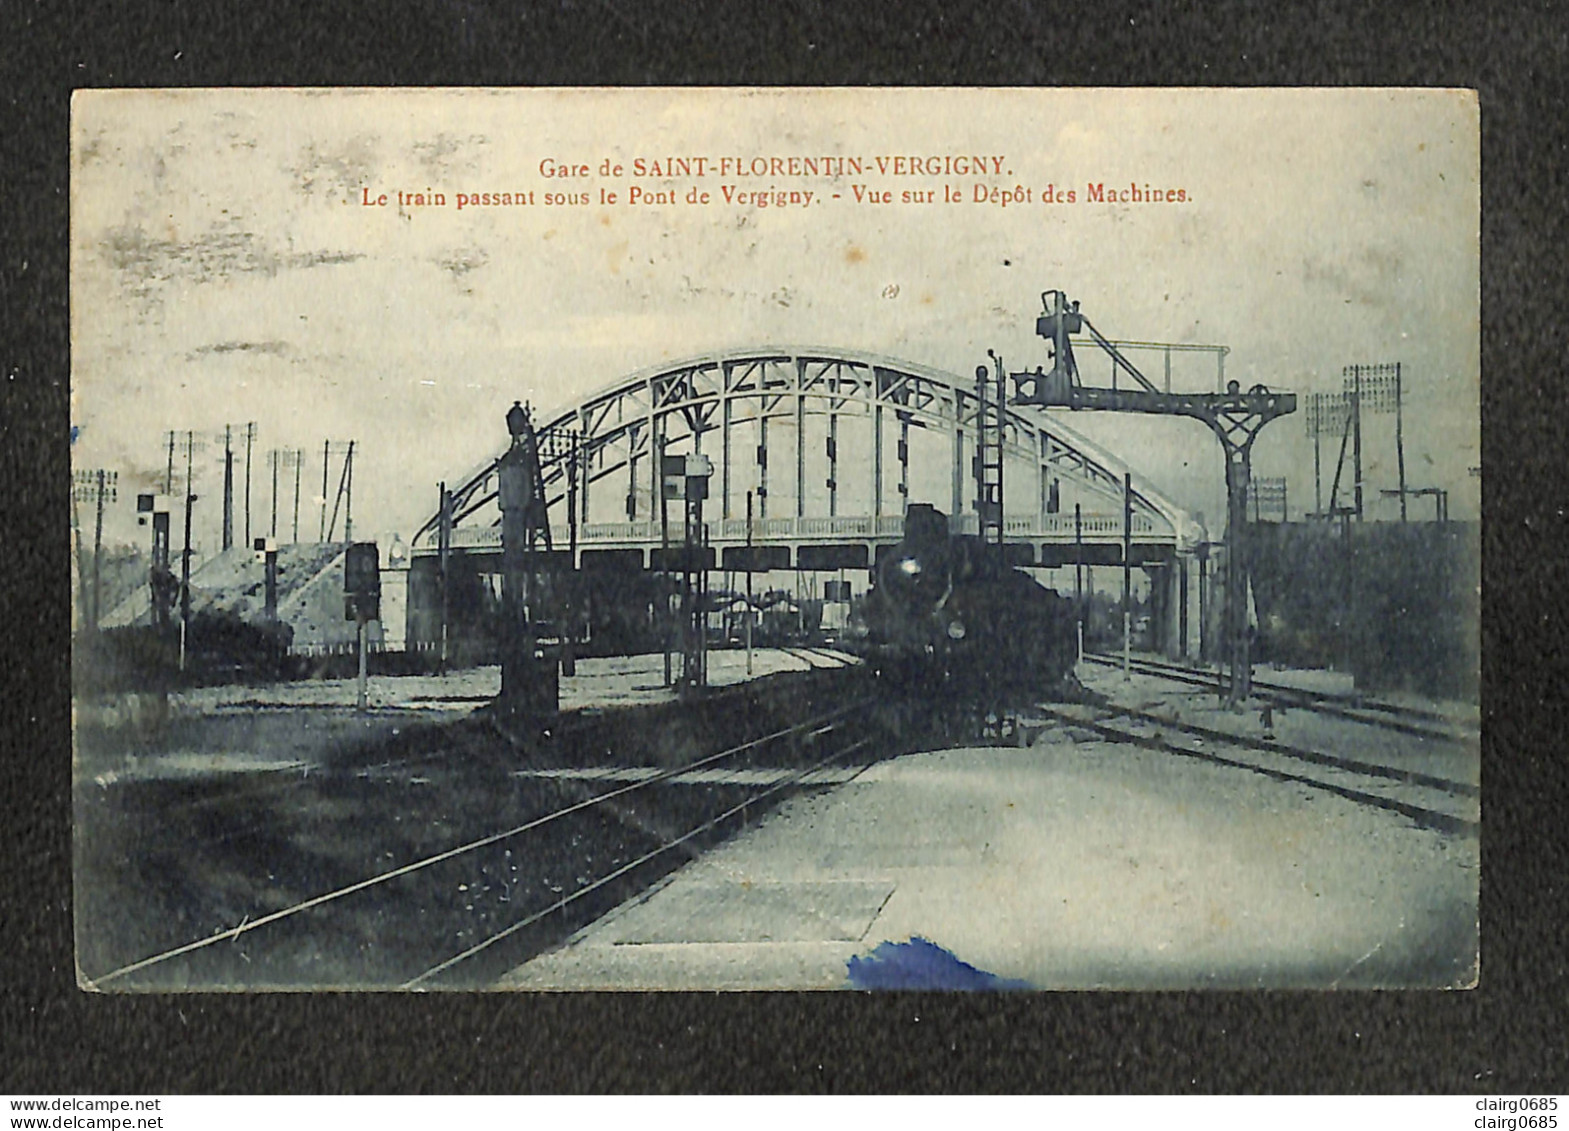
(76, 430)
(922, 965)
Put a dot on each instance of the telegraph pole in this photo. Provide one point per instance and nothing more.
(330, 525)
(443, 564)
(1356, 437)
(250, 437)
(749, 605)
(1327, 415)
(1400, 443)
(326, 459)
(1078, 573)
(348, 497)
(228, 487)
(1379, 387)
(98, 549)
(298, 458)
(1127, 575)
(185, 551)
(98, 485)
(664, 546)
(702, 609)
(83, 596)
(569, 629)
(1318, 498)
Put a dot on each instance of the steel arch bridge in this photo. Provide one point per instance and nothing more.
(832, 444)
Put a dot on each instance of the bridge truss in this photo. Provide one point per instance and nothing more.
(778, 422)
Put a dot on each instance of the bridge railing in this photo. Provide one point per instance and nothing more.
(848, 528)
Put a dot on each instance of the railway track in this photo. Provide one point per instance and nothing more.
(1401, 718)
(1427, 800)
(210, 802)
(783, 782)
(819, 657)
(634, 823)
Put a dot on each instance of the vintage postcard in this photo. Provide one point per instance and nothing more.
(775, 539)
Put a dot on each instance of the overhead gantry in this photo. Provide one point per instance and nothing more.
(1235, 417)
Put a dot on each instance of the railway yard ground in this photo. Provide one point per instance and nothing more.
(786, 834)
(271, 837)
(1078, 862)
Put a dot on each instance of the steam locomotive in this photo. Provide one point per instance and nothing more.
(945, 616)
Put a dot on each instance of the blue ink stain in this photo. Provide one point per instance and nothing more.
(922, 965)
(76, 430)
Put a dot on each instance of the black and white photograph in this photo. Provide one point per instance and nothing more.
(775, 539)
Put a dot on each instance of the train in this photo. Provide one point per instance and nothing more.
(946, 616)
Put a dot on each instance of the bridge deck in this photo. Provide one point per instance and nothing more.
(850, 540)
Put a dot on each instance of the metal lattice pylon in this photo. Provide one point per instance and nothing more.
(988, 452)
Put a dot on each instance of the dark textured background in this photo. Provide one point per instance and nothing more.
(1507, 1036)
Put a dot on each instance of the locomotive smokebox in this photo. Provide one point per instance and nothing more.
(925, 525)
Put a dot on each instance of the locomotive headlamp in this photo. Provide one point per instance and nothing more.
(956, 630)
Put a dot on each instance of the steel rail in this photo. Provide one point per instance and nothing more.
(248, 924)
(1322, 702)
(562, 903)
(1302, 754)
(1421, 815)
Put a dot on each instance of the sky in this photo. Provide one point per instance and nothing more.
(230, 263)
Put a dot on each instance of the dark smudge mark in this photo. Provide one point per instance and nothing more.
(1366, 277)
(222, 251)
(275, 348)
(341, 170)
(444, 154)
(461, 261)
(92, 149)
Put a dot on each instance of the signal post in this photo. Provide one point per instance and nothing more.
(530, 682)
(361, 601)
(685, 477)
